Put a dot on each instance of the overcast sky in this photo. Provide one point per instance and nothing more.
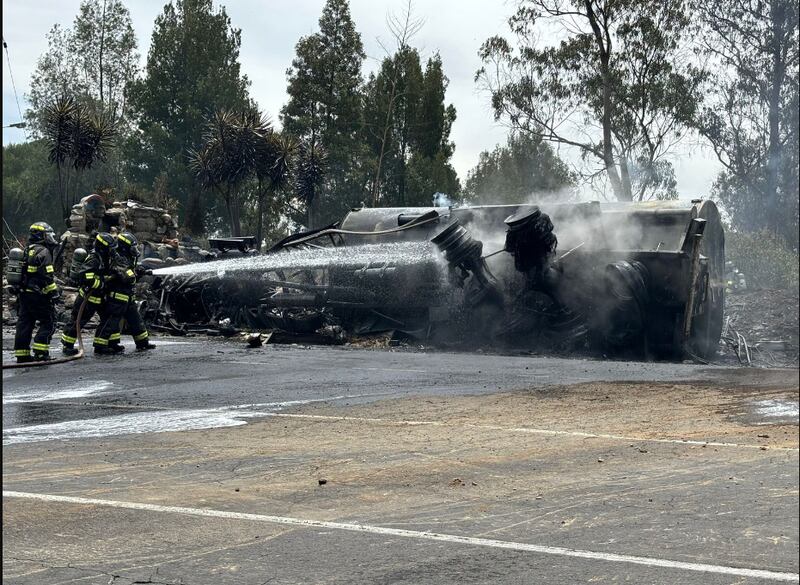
(270, 29)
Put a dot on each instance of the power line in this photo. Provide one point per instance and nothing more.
(13, 85)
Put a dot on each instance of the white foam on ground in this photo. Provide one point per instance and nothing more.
(49, 395)
(778, 409)
(157, 421)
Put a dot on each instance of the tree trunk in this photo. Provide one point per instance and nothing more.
(386, 126)
(76, 184)
(625, 179)
(62, 193)
(102, 48)
(232, 204)
(311, 214)
(260, 221)
(608, 145)
(193, 220)
(604, 48)
(770, 209)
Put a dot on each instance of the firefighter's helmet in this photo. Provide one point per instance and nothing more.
(42, 233)
(105, 245)
(128, 244)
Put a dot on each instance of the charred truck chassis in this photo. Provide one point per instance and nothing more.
(621, 279)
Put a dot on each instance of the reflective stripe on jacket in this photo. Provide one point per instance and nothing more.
(39, 274)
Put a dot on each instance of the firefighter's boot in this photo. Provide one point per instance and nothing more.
(68, 350)
(104, 350)
(144, 345)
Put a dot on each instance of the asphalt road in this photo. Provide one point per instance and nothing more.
(205, 462)
(201, 374)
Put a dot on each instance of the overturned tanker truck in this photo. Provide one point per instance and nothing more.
(639, 279)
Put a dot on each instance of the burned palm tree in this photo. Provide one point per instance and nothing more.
(93, 138)
(76, 138)
(312, 161)
(226, 157)
(274, 159)
(59, 121)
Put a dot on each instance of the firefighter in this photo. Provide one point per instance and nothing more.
(37, 296)
(91, 277)
(128, 252)
(116, 296)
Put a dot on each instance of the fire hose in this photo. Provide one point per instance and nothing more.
(62, 360)
(421, 220)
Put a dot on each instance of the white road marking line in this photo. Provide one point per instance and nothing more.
(533, 431)
(399, 532)
(390, 370)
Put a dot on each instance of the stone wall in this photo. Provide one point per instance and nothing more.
(154, 227)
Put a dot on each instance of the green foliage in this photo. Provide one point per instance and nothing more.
(325, 107)
(407, 128)
(527, 167)
(343, 141)
(244, 161)
(616, 87)
(751, 119)
(764, 259)
(30, 190)
(233, 144)
(93, 60)
(312, 165)
(192, 71)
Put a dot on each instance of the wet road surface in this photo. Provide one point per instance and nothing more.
(204, 462)
(218, 383)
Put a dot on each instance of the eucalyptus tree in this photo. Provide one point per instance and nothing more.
(615, 83)
(751, 120)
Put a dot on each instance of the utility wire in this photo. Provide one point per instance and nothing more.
(13, 85)
(8, 227)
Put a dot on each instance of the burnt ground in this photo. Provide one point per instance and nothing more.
(207, 463)
(768, 320)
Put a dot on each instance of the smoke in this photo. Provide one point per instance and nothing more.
(442, 200)
(582, 223)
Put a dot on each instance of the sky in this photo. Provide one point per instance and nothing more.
(270, 30)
